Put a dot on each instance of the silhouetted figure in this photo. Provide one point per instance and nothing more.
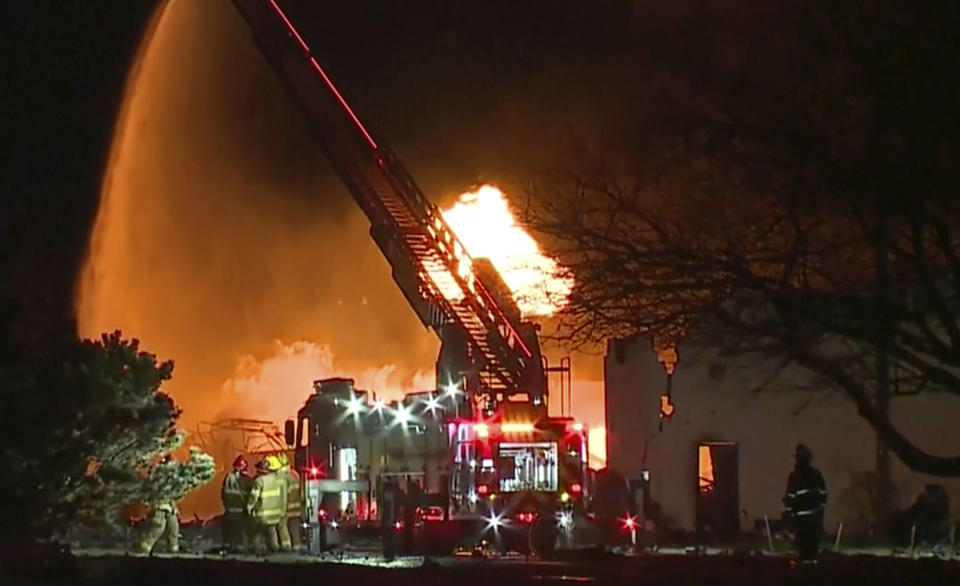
(412, 498)
(930, 514)
(544, 532)
(612, 504)
(806, 500)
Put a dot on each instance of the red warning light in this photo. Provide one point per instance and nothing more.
(526, 517)
(483, 489)
(575, 487)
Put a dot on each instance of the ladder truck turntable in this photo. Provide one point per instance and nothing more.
(484, 443)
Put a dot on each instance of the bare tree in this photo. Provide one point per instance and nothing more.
(819, 226)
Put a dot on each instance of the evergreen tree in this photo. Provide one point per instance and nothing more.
(86, 425)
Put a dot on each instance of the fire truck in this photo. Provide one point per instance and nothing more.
(482, 443)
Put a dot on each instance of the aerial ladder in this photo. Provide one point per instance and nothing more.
(487, 350)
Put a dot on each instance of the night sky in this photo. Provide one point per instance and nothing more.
(65, 65)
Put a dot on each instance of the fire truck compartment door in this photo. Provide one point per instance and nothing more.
(331, 485)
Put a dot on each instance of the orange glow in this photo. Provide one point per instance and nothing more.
(482, 430)
(705, 466)
(253, 289)
(485, 224)
(666, 354)
(523, 427)
(597, 446)
(275, 387)
(666, 407)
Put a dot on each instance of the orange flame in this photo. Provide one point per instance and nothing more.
(485, 224)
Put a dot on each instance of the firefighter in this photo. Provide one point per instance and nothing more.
(265, 505)
(275, 468)
(294, 514)
(806, 500)
(164, 523)
(233, 494)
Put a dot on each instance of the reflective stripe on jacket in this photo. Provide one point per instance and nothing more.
(806, 492)
(233, 494)
(292, 480)
(267, 500)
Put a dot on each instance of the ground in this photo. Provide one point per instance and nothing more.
(102, 568)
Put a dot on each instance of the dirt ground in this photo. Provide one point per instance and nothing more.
(647, 570)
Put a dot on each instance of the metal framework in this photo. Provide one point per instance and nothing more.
(485, 345)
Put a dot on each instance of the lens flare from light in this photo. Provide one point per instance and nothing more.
(403, 415)
(495, 522)
(354, 406)
(433, 404)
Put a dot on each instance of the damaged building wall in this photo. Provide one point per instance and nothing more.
(717, 400)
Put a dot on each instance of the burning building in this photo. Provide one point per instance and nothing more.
(717, 447)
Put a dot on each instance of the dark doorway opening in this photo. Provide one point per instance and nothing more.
(718, 490)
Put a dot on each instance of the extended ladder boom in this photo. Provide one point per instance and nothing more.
(429, 263)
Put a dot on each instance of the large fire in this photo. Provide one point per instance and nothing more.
(487, 228)
(203, 256)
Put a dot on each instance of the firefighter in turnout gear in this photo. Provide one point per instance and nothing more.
(163, 522)
(294, 509)
(233, 494)
(283, 532)
(806, 500)
(266, 504)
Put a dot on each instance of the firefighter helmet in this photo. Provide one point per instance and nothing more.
(803, 453)
(273, 463)
(240, 463)
(284, 462)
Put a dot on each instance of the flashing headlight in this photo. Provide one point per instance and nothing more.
(433, 404)
(378, 405)
(564, 497)
(482, 430)
(334, 524)
(314, 471)
(494, 521)
(629, 522)
(403, 415)
(354, 406)
(578, 426)
(473, 498)
(565, 520)
(452, 389)
(397, 526)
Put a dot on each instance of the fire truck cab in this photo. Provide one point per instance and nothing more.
(514, 461)
(349, 446)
